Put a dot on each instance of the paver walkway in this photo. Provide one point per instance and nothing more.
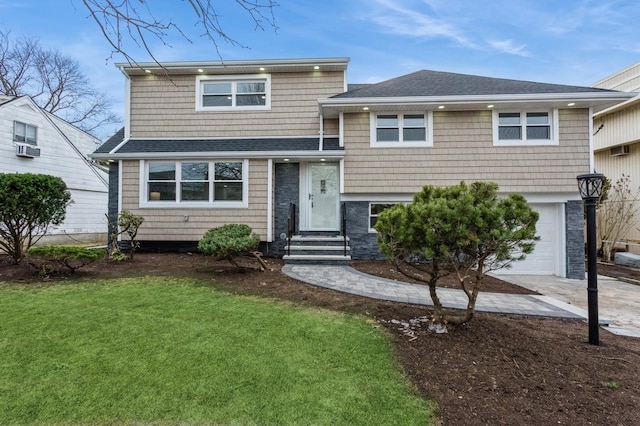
(348, 280)
(620, 300)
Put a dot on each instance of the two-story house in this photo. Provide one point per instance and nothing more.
(209, 143)
(616, 141)
(35, 141)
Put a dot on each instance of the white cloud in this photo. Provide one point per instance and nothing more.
(404, 21)
(507, 46)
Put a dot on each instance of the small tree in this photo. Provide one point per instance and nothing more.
(128, 223)
(56, 259)
(229, 241)
(30, 204)
(463, 230)
(617, 213)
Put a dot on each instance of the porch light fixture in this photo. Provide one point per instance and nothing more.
(490, 106)
(365, 109)
(147, 71)
(316, 67)
(571, 104)
(200, 70)
(590, 186)
(323, 159)
(261, 68)
(285, 160)
(441, 107)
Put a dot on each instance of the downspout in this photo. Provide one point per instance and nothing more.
(592, 161)
(321, 145)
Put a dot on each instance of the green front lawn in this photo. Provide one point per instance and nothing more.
(166, 351)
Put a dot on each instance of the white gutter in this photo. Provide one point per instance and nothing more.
(467, 99)
(179, 65)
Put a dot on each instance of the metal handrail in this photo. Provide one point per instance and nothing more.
(343, 225)
(291, 226)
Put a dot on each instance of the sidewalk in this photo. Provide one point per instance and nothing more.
(349, 280)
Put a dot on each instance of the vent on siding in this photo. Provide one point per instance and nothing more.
(617, 151)
(27, 151)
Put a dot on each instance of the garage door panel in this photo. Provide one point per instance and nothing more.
(545, 257)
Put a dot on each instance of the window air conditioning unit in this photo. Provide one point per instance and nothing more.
(617, 151)
(27, 151)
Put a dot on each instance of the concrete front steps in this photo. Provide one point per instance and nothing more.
(317, 249)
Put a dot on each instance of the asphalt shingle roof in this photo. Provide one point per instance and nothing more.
(437, 83)
(112, 142)
(225, 145)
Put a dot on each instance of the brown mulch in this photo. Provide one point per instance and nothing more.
(497, 370)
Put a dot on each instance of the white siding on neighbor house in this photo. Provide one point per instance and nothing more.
(613, 168)
(82, 215)
(627, 80)
(87, 184)
(618, 128)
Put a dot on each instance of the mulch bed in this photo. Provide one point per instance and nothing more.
(498, 369)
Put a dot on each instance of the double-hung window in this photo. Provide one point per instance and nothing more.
(195, 183)
(525, 127)
(249, 92)
(400, 130)
(26, 133)
(374, 211)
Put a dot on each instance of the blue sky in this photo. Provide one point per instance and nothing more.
(574, 42)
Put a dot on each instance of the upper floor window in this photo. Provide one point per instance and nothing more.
(25, 133)
(395, 130)
(525, 127)
(247, 92)
(195, 183)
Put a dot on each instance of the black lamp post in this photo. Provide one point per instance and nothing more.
(590, 186)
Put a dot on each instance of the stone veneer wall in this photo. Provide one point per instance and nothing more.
(112, 203)
(363, 243)
(574, 219)
(286, 191)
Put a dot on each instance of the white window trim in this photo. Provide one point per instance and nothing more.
(145, 203)
(373, 230)
(26, 126)
(201, 79)
(554, 129)
(428, 117)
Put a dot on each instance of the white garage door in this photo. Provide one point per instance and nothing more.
(548, 255)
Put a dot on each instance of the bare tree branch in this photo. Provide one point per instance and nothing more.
(54, 81)
(134, 21)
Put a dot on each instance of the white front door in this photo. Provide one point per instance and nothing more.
(323, 196)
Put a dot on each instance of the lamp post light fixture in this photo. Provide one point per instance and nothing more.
(590, 187)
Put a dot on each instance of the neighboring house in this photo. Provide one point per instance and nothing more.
(35, 141)
(209, 143)
(616, 140)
